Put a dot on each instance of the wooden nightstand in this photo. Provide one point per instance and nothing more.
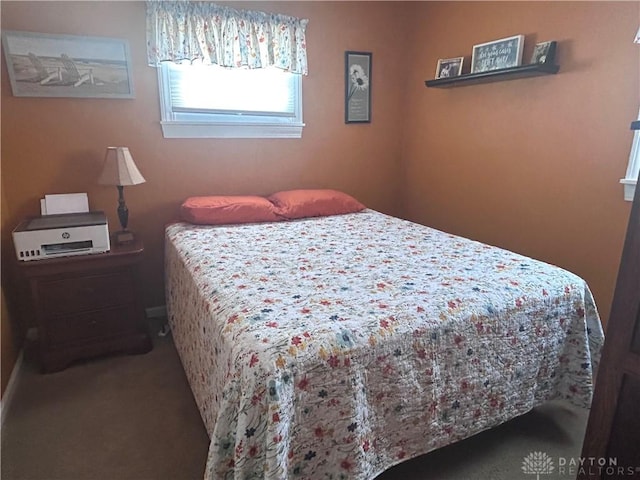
(88, 305)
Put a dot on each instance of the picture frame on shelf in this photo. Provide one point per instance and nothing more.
(357, 80)
(544, 53)
(47, 65)
(497, 54)
(449, 67)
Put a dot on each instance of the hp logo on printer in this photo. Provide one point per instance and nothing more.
(66, 235)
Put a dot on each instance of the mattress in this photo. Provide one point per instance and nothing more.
(339, 346)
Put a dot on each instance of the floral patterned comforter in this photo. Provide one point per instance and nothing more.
(336, 347)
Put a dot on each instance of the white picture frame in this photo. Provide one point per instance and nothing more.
(497, 54)
(47, 65)
(449, 67)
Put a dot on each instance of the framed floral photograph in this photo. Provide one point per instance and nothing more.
(357, 99)
(449, 67)
(46, 65)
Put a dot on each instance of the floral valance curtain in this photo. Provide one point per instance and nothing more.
(179, 30)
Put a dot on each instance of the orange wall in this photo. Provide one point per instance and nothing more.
(531, 165)
(56, 145)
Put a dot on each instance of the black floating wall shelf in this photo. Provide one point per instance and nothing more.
(524, 71)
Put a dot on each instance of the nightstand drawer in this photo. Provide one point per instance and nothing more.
(88, 305)
(77, 294)
(100, 324)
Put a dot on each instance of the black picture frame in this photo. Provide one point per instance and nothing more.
(544, 53)
(449, 67)
(357, 92)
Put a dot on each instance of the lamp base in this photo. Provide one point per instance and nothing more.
(123, 237)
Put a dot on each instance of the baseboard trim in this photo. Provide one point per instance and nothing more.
(159, 311)
(5, 403)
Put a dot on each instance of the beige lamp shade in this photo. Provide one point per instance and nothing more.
(119, 168)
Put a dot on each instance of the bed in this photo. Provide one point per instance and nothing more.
(336, 347)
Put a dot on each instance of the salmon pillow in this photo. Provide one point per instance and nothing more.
(219, 210)
(313, 203)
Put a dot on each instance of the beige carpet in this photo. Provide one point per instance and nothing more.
(133, 417)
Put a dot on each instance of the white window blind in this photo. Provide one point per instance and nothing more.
(211, 101)
(212, 89)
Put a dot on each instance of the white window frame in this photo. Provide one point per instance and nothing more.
(633, 169)
(227, 126)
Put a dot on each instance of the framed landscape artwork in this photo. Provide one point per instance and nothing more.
(44, 65)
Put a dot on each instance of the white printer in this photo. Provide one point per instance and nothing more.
(61, 235)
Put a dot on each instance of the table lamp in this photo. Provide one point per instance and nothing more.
(120, 170)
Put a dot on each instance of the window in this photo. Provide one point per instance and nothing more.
(630, 179)
(199, 101)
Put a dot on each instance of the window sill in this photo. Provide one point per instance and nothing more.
(172, 129)
(629, 188)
